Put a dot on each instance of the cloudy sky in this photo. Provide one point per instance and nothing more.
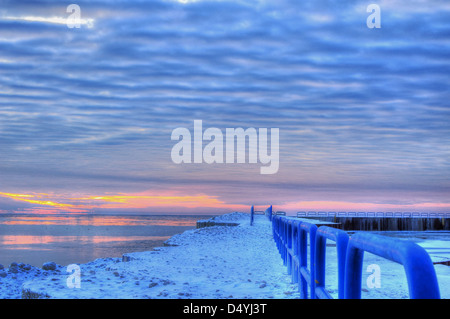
(86, 114)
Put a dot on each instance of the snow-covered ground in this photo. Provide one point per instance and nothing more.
(214, 262)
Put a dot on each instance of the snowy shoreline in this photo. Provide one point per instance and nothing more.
(217, 262)
(211, 262)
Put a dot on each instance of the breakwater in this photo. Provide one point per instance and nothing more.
(224, 220)
(387, 223)
(210, 223)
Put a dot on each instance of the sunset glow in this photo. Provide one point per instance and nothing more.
(120, 201)
(165, 200)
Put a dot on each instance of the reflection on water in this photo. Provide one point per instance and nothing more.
(96, 220)
(80, 238)
(27, 241)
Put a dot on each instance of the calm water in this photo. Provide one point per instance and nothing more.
(80, 238)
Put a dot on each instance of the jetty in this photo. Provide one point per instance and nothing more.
(381, 221)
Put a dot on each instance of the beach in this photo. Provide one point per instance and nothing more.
(218, 262)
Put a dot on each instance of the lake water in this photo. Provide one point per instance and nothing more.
(80, 238)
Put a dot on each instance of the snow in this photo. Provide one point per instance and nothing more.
(215, 262)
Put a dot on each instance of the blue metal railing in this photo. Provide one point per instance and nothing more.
(291, 237)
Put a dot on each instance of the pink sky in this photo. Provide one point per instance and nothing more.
(173, 201)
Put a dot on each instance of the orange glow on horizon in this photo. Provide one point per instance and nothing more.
(59, 203)
(25, 198)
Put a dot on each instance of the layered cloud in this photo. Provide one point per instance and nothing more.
(91, 109)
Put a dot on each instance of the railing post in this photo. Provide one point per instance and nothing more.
(289, 251)
(295, 251)
(284, 239)
(268, 212)
(307, 276)
(252, 215)
(275, 231)
(341, 238)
